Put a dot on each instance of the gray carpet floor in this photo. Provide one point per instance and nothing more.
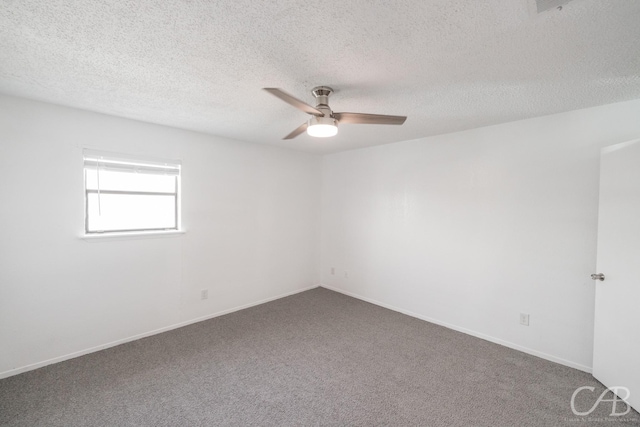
(314, 358)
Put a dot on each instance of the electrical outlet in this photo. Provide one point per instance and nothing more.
(333, 271)
(204, 294)
(346, 274)
(524, 319)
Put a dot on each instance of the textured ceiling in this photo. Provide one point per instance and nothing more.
(448, 65)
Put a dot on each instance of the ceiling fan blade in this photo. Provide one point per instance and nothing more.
(369, 119)
(300, 129)
(294, 101)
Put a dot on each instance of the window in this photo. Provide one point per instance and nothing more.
(125, 194)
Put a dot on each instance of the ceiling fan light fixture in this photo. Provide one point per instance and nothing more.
(322, 131)
(322, 127)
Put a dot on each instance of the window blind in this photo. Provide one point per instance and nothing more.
(114, 162)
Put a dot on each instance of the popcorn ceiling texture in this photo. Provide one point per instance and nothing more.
(448, 65)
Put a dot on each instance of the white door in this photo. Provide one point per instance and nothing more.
(616, 356)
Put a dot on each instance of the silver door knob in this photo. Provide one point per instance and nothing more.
(597, 276)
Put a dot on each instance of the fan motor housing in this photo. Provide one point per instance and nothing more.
(326, 120)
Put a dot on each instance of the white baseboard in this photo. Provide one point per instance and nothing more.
(467, 331)
(75, 354)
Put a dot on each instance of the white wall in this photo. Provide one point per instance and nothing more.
(472, 228)
(251, 213)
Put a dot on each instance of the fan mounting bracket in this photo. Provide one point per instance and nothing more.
(322, 93)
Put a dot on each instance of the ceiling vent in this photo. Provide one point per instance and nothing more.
(544, 5)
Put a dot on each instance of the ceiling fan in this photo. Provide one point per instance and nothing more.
(323, 121)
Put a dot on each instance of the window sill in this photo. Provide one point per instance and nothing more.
(131, 235)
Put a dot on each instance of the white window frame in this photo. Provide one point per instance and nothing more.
(96, 159)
